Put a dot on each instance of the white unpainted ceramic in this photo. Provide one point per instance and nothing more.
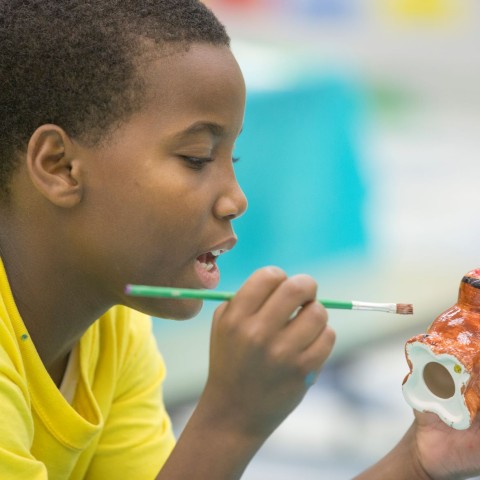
(453, 411)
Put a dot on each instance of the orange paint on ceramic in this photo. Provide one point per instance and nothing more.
(456, 332)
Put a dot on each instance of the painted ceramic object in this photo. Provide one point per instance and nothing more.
(444, 362)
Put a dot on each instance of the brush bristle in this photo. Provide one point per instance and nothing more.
(405, 308)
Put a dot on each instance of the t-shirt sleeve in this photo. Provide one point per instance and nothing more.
(137, 438)
(16, 437)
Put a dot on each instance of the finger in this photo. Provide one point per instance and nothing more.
(257, 289)
(219, 311)
(291, 294)
(315, 355)
(305, 327)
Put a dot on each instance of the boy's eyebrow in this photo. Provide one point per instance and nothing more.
(214, 129)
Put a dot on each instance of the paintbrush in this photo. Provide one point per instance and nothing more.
(188, 293)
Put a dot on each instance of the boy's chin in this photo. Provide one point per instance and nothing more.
(174, 309)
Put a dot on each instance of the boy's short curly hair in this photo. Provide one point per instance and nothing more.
(73, 63)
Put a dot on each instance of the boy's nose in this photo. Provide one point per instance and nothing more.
(232, 203)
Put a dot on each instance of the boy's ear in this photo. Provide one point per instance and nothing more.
(52, 167)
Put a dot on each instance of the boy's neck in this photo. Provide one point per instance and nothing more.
(51, 297)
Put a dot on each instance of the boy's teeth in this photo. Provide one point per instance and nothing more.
(216, 253)
(207, 266)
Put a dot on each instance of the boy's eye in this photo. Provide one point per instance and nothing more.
(197, 163)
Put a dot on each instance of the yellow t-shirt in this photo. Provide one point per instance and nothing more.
(116, 427)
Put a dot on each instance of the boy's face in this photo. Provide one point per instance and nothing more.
(160, 193)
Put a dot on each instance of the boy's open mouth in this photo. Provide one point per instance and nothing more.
(208, 260)
(207, 270)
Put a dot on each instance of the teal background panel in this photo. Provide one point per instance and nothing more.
(300, 167)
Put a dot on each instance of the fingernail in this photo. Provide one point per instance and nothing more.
(310, 378)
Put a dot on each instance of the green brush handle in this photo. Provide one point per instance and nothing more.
(190, 293)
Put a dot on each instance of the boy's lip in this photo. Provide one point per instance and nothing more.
(205, 264)
(222, 246)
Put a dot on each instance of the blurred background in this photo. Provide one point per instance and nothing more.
(359, 159)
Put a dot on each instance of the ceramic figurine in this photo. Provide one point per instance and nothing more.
(444, 362)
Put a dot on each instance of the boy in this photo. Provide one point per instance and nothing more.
(118, 123)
